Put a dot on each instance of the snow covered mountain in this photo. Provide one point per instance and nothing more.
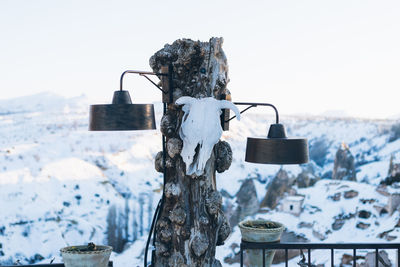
(62, 185)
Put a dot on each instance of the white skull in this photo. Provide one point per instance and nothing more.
(201, 125)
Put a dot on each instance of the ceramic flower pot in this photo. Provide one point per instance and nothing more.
(260, 231)
(80, 256)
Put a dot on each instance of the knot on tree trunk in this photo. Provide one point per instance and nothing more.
(177, 216)
(169, 124)
(223, 158)
(172, 190)
(158, 163)
(224, 230)
(213, 203)
(199, 244)
(164, 231)
(174, 147)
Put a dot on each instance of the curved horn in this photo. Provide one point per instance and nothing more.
(227, 104)
(184, 100)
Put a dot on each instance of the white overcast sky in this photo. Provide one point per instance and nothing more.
(306, 57)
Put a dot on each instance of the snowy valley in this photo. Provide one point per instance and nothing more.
(63, 185)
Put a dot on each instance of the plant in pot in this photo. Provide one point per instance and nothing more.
(86, 256)
(260, 231)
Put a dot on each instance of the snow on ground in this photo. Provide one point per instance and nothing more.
(58, 180)
(320, 212)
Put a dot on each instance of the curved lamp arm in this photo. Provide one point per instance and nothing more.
(142, 73)
(252, 105)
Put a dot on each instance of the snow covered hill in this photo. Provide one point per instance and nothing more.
(61, 184)
(333, 212)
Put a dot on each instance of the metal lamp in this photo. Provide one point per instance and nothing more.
(277, 148)
(122, 115)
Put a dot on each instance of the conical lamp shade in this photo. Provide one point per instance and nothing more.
(122, 115)
(277, 148)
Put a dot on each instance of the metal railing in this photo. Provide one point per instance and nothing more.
(110, 264)
(320, 246)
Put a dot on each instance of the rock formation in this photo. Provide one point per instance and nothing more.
(343, 168)
(279, 185)
(307, 177)
(247, 202)
(393, 173)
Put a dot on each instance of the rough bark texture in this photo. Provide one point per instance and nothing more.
(191, 222)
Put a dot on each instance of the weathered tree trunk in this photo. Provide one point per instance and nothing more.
(191, 223)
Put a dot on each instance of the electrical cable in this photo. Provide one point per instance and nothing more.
(160, 203)
(150, 231)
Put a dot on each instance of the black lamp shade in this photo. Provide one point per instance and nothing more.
(122, 115)
(277, 148)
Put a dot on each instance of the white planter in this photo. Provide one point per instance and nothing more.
(72, 257)
(252, 233)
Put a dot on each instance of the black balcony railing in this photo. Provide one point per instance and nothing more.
(320, 246)
(110, 264)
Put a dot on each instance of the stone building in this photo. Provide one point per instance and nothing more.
(393, 202)
(293, 204)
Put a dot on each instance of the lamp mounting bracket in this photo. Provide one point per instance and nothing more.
(252, 105)
(166, 81)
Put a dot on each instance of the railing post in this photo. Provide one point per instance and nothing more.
(286, 257)
(241, 255)
(398, 257)
(263, 255)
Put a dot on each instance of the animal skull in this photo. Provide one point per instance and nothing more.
(201, 126)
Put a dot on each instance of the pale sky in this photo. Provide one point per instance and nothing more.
(305, 57)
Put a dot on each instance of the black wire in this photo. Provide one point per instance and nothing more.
(151, 230)
(161, 202)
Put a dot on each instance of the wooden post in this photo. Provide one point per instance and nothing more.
(191, 223)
